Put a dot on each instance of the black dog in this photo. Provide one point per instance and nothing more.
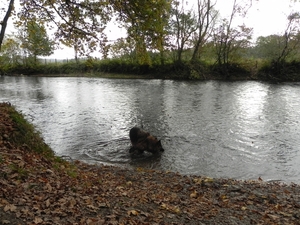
(142, 141)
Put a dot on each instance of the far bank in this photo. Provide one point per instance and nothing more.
(250, 70)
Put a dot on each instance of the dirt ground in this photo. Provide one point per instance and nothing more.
(40, 189)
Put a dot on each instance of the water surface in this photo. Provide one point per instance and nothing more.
(242, 130)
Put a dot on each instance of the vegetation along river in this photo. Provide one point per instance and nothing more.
(242, 130)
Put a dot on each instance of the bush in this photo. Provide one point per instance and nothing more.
(281, 71)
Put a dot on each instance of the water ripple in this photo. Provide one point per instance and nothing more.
(243, 130)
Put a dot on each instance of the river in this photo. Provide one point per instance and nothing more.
(242, 130)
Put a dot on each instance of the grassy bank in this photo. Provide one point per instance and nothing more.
(38, 187)
(246, 69)
(115, 68)
(98, 75)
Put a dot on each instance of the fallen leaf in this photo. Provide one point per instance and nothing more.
(47, 203)
(164, 206)
(10, 207)
(208, 179)
(48, 187)
(197, 180)
(194, 194)
(274, 217)
(132, 212)
(286, 214)
(37, 220)
(176, 209)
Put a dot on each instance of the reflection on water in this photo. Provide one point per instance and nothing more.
(243, 130)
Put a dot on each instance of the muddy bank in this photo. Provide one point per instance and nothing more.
(39, 188)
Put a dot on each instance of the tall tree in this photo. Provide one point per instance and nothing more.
(145, 22)
(206, 17)
(122, 48)
(77, 23)
(36, 40)
(11, 49)
(290, 37)
(3, 23)
(183, 25)
(269, 47)
(278, 48)
(229, 39)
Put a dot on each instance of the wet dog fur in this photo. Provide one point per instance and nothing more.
(142, 141)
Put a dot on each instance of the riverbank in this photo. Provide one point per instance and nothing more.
(96, 75)
(136, 76)
(38, 187)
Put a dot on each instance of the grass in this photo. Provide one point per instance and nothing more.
(21, 172)
(25, 134)
(22, 135)
(99, 75)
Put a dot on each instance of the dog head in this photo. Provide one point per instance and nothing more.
(154, 145)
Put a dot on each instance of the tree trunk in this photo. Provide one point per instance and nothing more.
(4, 22)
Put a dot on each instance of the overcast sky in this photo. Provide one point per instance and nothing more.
(265, 16)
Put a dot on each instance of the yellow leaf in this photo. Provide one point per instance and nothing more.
(223, 197)
(139, 169)
(197, 180)
(244, 208)
(132, 212)
(163, 205)
(194, 194)
(176, 209)
(208, 179)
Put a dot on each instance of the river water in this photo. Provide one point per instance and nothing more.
(242, 130)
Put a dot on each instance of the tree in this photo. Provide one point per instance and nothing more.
(183, 25)
(36, 40)
(10, 54)
(290, 37)
(3, 23)
(206, 17)
(11, 50)
(229, 39)
(145, 22)
(269, 47)
(77, 23)
(278, 48)
(123, 48)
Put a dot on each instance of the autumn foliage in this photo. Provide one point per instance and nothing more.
(37, 187)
